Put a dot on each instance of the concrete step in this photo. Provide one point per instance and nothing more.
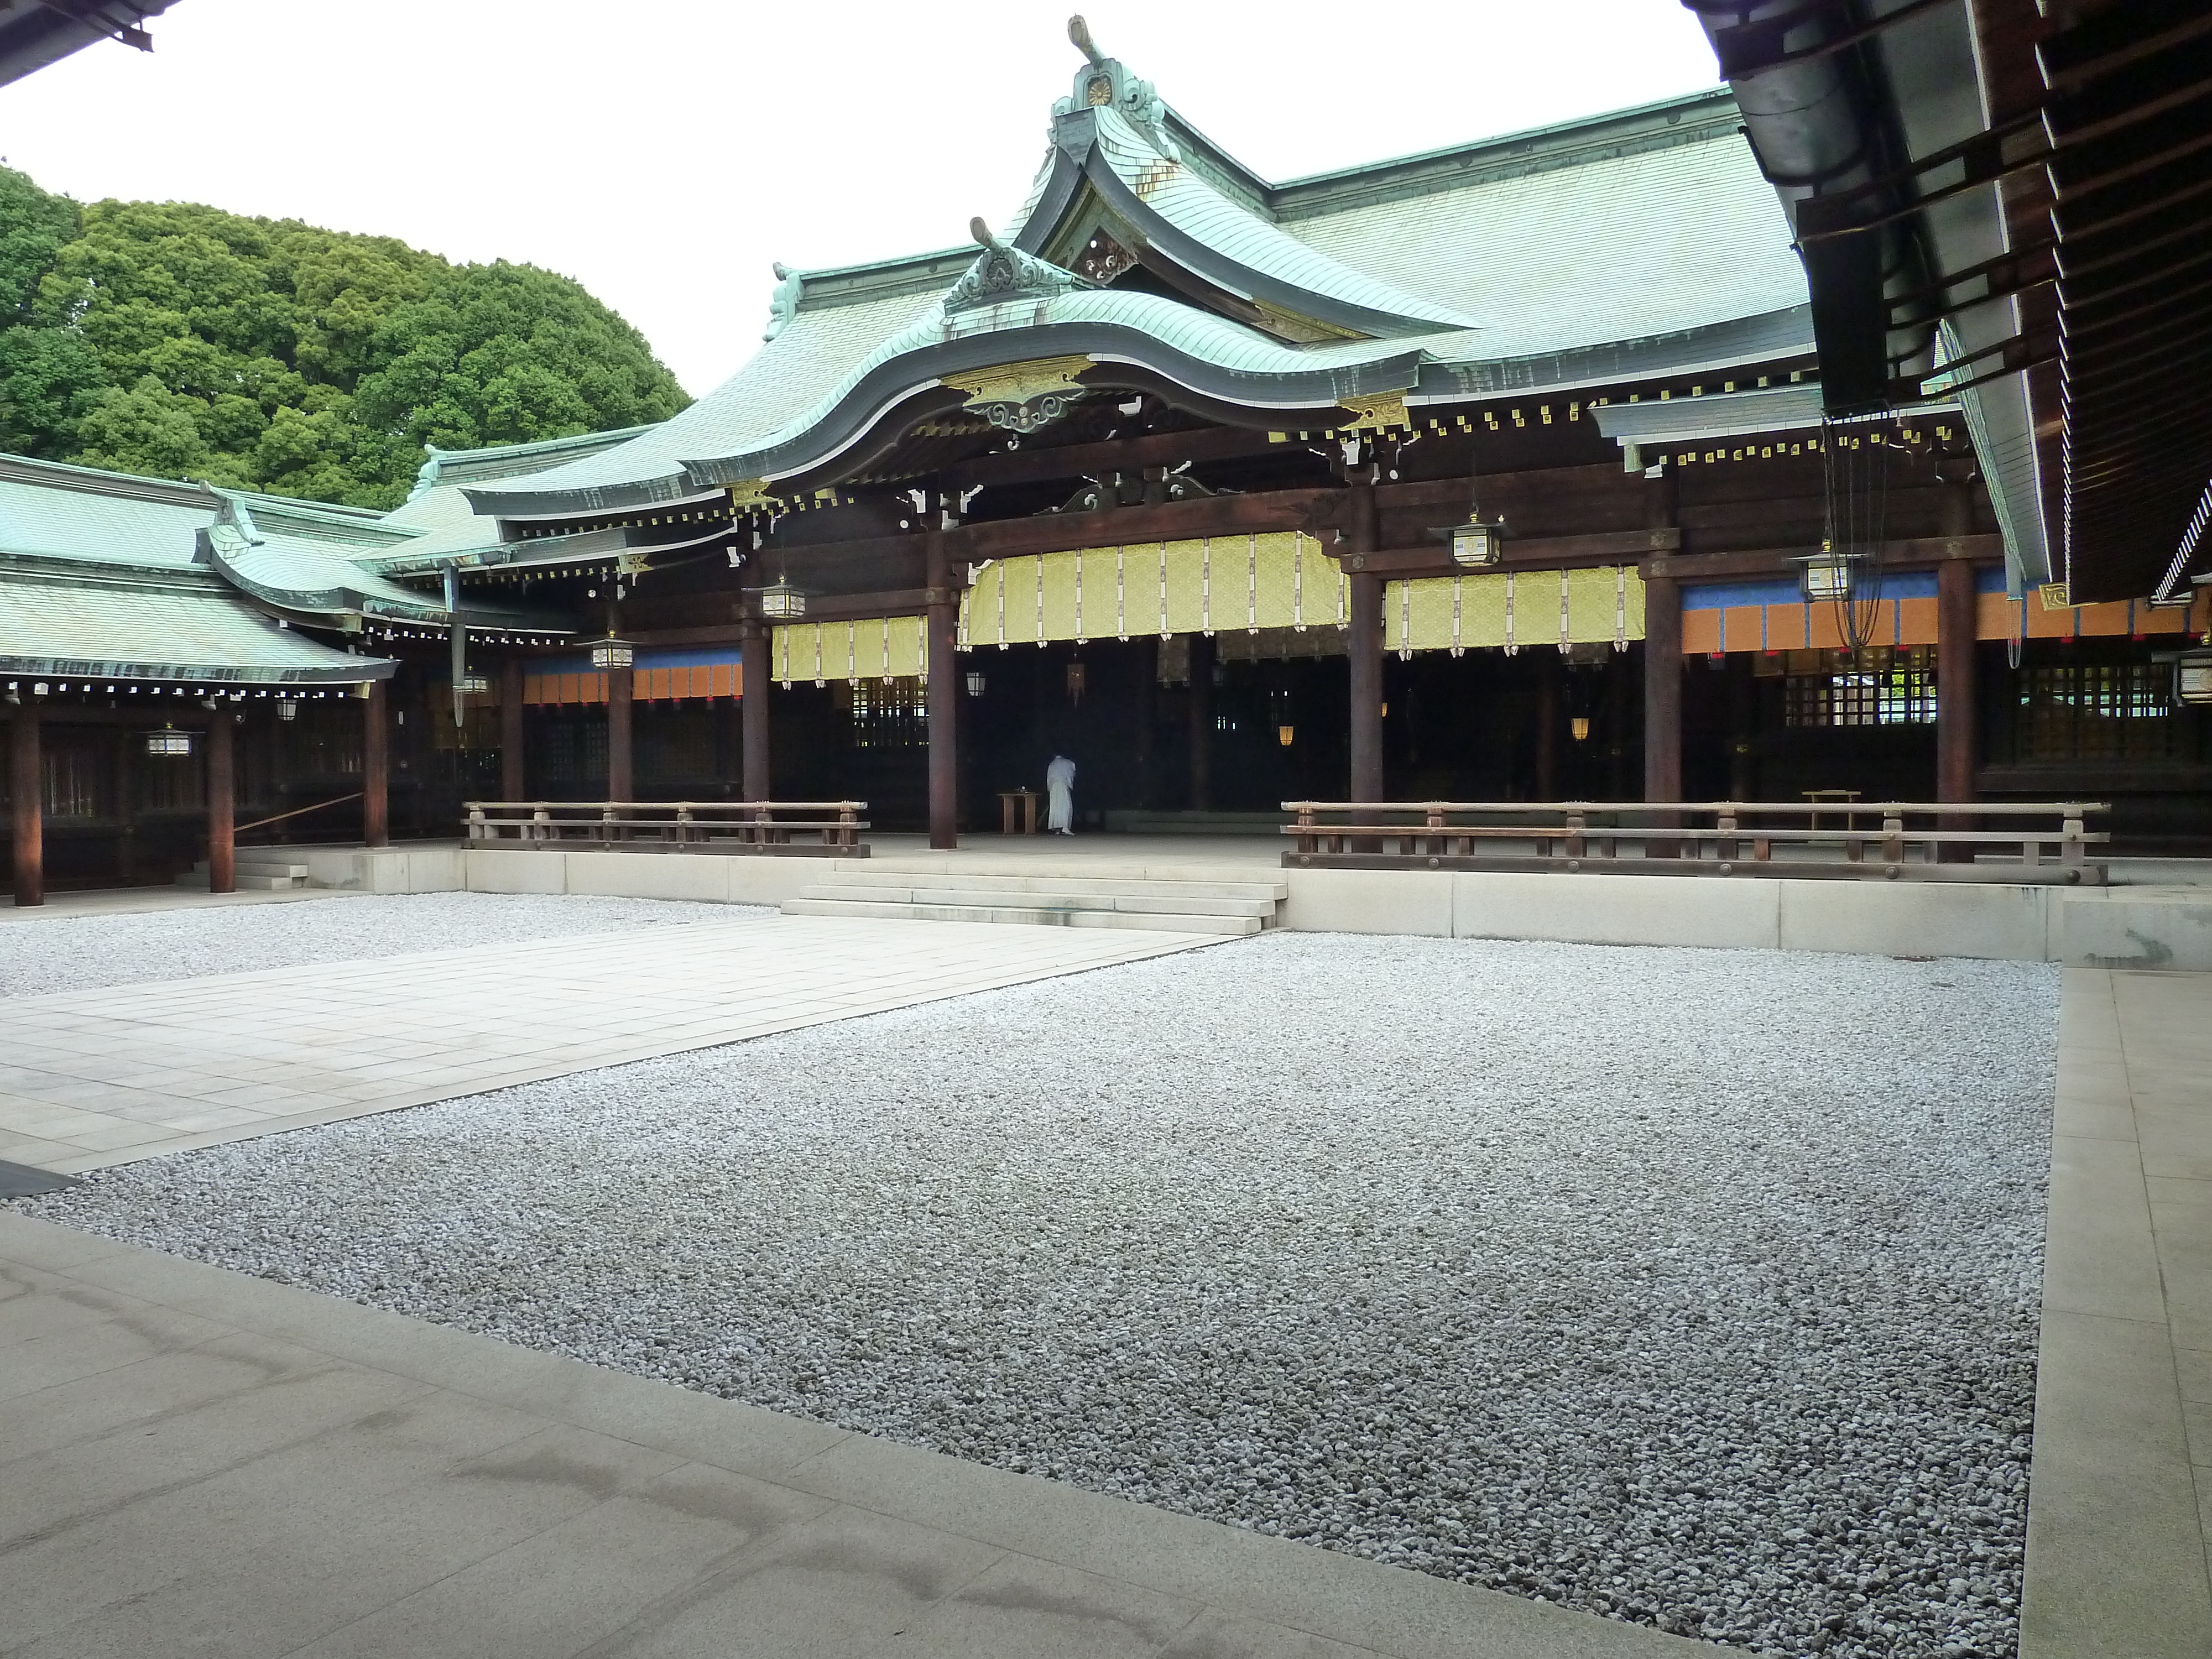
(1057, 897)
(966, 881)
(250, 878)
(1021, 915)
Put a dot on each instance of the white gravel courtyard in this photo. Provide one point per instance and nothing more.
(1697, 1288)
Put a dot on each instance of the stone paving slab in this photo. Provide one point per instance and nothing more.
(89, 1078)
(2119, 1519)
(193, 1462)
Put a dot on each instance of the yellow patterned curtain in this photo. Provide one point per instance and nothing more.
(1514, 609)
(1209, 585)
(876, 649)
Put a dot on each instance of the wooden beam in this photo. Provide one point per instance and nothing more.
(1919, 553)
(1123, 455)
(1534, 553)
(1309, 510)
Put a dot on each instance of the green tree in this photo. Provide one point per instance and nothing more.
(48, 375)
(180, 340)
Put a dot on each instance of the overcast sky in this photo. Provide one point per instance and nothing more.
(665, 151)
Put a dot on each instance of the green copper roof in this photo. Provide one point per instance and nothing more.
(70, 617)
(79, 512)
(1629, 245)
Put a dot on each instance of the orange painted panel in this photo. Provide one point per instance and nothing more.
(722, 680)
(1701, 633)
(1743, 623)
(1821, 632)
(2161, 622)
(2043, 624)
(1917, 622)
(2105, 619)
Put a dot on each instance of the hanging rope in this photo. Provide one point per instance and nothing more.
(1854, 470)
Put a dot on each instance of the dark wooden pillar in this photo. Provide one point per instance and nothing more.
(376, 765)
(622, 688)
(1201, 722)
(1955, 620)
(1365, 645)
(513, 775)
(26, 800)
(1145, 674)
(222, 801)
(1743, 725)
(1662, 702)
(752, 707)
(1547, 726)
(943, 613)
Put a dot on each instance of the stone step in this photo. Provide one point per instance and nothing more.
(250, 878)
(1056, 897)
(979, 881)
(1021, 915)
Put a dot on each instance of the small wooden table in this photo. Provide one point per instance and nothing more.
(1835, 798)
(1028, 799)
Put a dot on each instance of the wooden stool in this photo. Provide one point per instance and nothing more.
(1029, 802)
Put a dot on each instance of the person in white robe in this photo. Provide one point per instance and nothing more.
(1060, 796)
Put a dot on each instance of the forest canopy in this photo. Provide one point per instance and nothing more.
(184, 342)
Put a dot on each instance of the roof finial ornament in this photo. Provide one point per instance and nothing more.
(1102, 83)
(783, 304)
(1003, 271)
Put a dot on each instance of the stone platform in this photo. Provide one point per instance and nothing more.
(2166, 923)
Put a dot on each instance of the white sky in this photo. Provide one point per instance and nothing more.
(665, 151)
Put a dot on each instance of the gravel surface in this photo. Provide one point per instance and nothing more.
(83, 953)
(1697, 1288)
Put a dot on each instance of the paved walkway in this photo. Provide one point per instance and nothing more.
(194, 1462)
(88, 1079)
(2119, 1525)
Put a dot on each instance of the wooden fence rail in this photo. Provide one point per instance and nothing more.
(2040, 842)
(674, 826)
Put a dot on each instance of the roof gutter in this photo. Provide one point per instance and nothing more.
(1809, 86)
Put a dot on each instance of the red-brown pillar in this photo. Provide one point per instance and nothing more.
(1547, 726)
(1365, 647)
(1663, 700)
(752, 707)
(512, 779)
(222, 801)
(1956, 607)
(26, 795)
(376, 765)
(1201, 722)
(943, 611)
(622, 691)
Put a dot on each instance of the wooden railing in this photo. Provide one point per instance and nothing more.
(674, 826)
(2033, 841)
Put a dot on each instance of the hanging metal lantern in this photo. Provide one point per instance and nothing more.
(288, 709)
(1826, 575)
(1478, 545)
(611, 653)
(168, 741)
(472, 685)
(1580, 726)
(975, 682)
(1078, 678)
(2192, 676)
(1284, 734)
(782, 601)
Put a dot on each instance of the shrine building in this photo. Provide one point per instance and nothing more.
(1548, 467)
